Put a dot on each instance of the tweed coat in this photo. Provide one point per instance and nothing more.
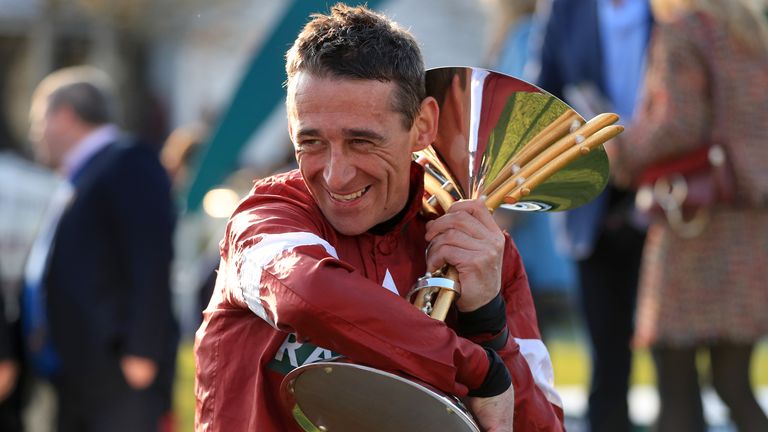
(702, 86)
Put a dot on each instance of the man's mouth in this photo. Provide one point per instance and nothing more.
(348, 197)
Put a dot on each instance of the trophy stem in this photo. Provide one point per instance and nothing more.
(446, 296)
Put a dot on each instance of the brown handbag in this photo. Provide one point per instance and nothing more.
(683, 190)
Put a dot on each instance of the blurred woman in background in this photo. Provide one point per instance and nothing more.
(706, 81)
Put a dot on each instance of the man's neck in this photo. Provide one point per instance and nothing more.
(91, 140)
(387, 225)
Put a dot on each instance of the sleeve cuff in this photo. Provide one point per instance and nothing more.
(489, 318)
(496, 381)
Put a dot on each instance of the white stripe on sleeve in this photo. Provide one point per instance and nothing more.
(256, 257)
(537, 357)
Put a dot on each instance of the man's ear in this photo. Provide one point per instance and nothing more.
(425, 124)
(57, 112)
(67, 115)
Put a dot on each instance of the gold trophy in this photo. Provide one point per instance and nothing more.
(512, 143)
(500, 138)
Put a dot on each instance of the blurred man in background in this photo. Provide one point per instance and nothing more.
(593, 56)
(96, 307)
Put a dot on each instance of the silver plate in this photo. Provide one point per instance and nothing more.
(345, 397)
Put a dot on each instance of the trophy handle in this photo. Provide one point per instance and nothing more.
(445, 296)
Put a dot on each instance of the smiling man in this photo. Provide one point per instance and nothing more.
(317, 261)
(355, 162)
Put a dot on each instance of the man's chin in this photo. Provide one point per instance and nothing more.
(348, 221)
(349, 228)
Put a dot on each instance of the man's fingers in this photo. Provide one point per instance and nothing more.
(457, 238)
(477, 209)
(466, 222)
(458, 249)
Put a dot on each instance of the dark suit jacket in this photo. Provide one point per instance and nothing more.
(571, 54)
(108, 281)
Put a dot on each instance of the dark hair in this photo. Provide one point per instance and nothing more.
(89, 102)
(357, 43)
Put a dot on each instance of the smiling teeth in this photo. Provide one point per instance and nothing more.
(349, 197)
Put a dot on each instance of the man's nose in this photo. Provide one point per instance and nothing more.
(340, 169)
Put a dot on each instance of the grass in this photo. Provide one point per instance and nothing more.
(569, 358)
(184, 391)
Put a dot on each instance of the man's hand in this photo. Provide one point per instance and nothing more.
(467, 238)
(139, 372)
(8, 372)
(494, 414)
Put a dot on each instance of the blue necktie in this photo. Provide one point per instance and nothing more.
(41, 353)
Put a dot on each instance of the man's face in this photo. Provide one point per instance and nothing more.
(352, 148)
(48, 133)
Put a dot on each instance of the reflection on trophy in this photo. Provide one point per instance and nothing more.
(499, 138)
(507, 140)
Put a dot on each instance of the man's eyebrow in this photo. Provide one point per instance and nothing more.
(363, 133)
(307, 132)
(348, 132)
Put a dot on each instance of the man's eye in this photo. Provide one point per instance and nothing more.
(309, 145)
